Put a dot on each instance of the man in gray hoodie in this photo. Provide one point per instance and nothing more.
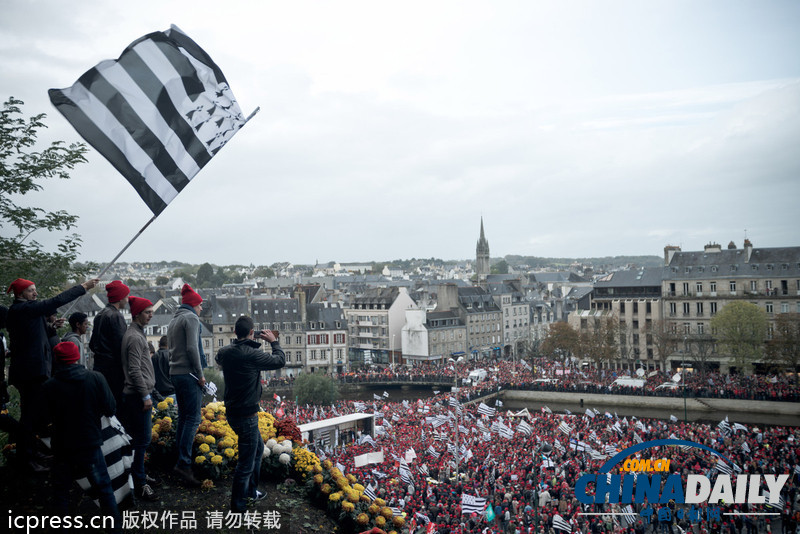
(140, 378)
(186, 372)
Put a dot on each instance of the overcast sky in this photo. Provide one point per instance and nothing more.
(387, 129)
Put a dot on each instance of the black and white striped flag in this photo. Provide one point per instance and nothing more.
(525, 428)
(471, 504)
(423, 470)
(158, 114)
(560, 524)
(369, 491)
(745, 447)
(433, 452)
(628, 514)
(722, 467)
(486, 410)
(565, 428)
(119, 458)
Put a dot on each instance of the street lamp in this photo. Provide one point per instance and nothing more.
(391, 350)
(455, 388)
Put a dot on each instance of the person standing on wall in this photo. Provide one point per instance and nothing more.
(186, 372)
(242, 362)
(106, 340)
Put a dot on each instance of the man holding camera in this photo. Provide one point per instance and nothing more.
(242, 362)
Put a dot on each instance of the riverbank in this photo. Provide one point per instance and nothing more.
(714, 409)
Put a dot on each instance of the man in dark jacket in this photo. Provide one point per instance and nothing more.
(106, 340)
(242, 362)
(31, 355)
(161, 367)
(76, 398)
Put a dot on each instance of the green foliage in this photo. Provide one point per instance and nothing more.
(741, 328)
(783, 350)
(501, 267)
(315, 388)
(561, 340)
(21, 170)
(162, 280)
(264, 272)
(214, 375)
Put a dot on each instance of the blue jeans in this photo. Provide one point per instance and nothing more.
(189, 396)
(139, 424)
(248, 468)
(68, 468)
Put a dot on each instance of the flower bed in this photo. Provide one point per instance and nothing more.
(216, 451)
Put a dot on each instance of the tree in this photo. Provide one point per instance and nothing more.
(703, 349)
(600, 343)
(561, 339)
(784, 347)
(741, 328)
(21, 170)
(205, 274)
(501, 267)
(162, 280)
(664, 340)
(264, 272)
(315, 388)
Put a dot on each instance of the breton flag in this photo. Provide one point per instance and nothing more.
(369, 491)
(158, 113)
(590, 413)
(565, 428)
(560, 524)
(745, 447)
(119, 458)
(471, 504)
(386, 394)
(722, 467)
(486, 410)
(525, 428)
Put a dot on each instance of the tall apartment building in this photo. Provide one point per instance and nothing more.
(516, 313)
(697, 285)
(375, 320)
(480, 314)
(632, 298)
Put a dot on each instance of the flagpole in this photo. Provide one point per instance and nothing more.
(121, 252)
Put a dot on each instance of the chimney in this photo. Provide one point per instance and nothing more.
(300, 295)
(670, 251)
(713, 247)
(748, 250)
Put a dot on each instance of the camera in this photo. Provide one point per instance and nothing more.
(257, 334)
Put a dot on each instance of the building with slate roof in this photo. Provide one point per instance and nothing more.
(516, 313)
(697, 285)
(375, 319)
(632, 298)
(480, 314)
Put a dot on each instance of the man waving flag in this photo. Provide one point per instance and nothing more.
(158, 114)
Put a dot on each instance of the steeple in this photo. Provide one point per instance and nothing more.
(482, 256)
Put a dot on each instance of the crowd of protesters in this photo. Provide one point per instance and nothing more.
(548, 375)
(529, 478)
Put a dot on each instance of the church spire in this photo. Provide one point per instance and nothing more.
(482, 256)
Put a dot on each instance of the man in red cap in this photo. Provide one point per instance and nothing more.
(137, 405)
(76, 399)
(106, 340)
(31, 356)
(186, 364)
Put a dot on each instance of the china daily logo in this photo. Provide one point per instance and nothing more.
(726, 488)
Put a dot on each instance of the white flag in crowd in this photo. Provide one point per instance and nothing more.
(471, 504)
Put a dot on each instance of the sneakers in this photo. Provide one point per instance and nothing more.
(260, 496)
(146, 493)
(186, 474)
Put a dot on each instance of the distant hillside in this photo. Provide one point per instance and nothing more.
(598, 264)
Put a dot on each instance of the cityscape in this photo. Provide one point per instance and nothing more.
(338, 317)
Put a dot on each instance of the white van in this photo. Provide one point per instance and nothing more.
(477, 376)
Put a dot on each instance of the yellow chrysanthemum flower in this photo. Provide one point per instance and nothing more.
(398, 521)
(211, 440)
(200, 459)
(380, 521)
(230, 453)
(362, 519)
(204, 448)
(387, 512)
(336, 496)
(162, 405)
(347, 506)
(216, 459)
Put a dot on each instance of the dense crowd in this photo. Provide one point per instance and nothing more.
(529, 478)
(547, 375)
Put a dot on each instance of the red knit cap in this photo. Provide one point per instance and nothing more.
(189, 296)
(138, 305)
(67, 352)
(117, 291)
(18, 286)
